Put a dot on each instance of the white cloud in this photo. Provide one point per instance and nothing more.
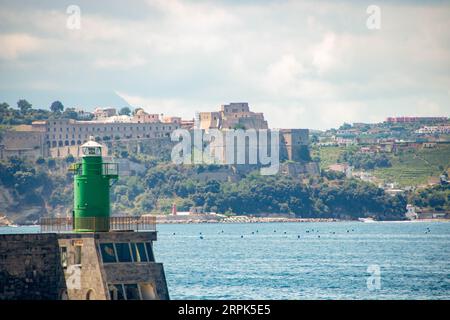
(284, 74)
(17, 44)
(316, 62)
(120, 63)
(169, 106)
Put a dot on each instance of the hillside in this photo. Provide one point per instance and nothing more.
(416, 167)
(409, 168)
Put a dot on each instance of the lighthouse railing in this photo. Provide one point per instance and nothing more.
(117, 223)
(108, 168)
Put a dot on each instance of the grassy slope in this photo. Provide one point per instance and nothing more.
(409, 168)
(415, 168)
(327, 155)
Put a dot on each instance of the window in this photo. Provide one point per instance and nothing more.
(148, 245)
(132, 291)
(148, 291)
(116, 292)
(138, 251)
(77, 254)
(64, 257)
(91, 151)
(108, 253)
(123, 252)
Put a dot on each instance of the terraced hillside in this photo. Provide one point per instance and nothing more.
(410, 168)
(416, 167)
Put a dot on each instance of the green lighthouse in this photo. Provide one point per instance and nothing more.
(89, 256)
(92, 181)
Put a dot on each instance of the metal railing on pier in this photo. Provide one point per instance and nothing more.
(122, 223)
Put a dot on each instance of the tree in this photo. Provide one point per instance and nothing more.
(57, 107)
(345, 126)
(125, 111)
(70, 159)
(24, 106)
(70, 113)
(51, 163)
(3, 107)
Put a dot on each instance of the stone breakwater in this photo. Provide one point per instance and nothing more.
(233, 219)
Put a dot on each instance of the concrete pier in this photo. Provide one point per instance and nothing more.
(81, 266)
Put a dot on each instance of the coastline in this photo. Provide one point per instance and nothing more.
(242, 220)
(199, 219)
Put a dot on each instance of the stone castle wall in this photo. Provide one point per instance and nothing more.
(22, 143)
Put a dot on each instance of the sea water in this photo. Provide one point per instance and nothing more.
(336, 260)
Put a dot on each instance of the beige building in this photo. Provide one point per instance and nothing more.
(143, 117)
(293, 146)
(43, 137)
(23, 141)
(231, 116)
(65, 132)
(171, 119)
(104, 112)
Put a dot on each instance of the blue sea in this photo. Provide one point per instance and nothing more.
(408, 260)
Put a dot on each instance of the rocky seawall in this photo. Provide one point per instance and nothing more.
(207, 218)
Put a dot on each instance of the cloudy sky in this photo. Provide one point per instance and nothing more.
(311, 64)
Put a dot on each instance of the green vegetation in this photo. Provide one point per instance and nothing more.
(436, 198)
(155, 189)
(158, 184)
(35, 184)
(57, 107)
(365, 161)
(408, 167)
(334, 196)
(326, 155)
(26, 114)
(416, 167)
(125, 111)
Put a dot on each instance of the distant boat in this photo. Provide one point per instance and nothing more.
(13, 225)
(368, 220)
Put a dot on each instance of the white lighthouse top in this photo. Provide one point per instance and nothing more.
(91, 148)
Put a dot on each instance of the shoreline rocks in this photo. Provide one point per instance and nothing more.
(235, 219)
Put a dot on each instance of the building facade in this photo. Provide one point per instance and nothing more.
(232, 116)
(24, 141)
(68, 132)
(415, 119)
(294, 144)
